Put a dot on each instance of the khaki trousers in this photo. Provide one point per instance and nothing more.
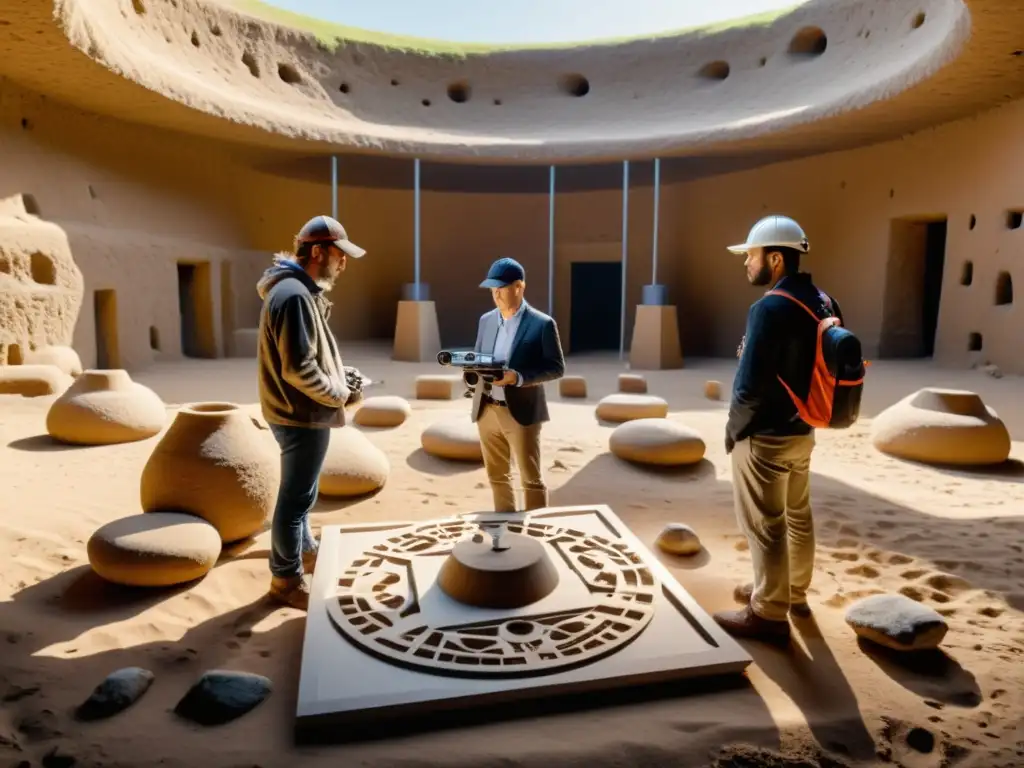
(502, 438)
(772, 492)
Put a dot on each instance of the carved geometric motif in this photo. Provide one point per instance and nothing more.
(377, 606)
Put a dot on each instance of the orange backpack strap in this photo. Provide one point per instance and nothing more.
(796, 301)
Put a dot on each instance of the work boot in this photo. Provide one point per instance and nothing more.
(746, 623)
(309, 560)
(744, 592)
(292, 591)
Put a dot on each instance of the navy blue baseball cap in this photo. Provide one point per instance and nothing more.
(503, 272)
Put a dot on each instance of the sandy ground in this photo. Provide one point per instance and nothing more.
(951, 539)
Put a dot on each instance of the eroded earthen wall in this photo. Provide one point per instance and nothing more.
(857, 207)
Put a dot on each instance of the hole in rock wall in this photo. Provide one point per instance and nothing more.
(154, 338)
(809, 41)
(574, 85)
(138, 7)
(425, 102)
(289, 74)
(1013, 219)
(195, 39)
(31, 204)
(343, 88)
(967, 273)
(250, 61)
(92, 192)
(43, 269)
(26, 124)
(459, 92)
(5, 266)
(918, 20)
(394, 82)
(497, 102)
(14, 355)
(1004, 289)
(972, 222)
(715, 70)
(762, 61)
(974, 342)
(913, 287)
(215, 29)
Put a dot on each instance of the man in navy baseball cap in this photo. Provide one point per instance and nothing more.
(504, 272)
(509, 412)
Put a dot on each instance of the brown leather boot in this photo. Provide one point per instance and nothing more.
(309, 561)
(746, 623)
(744, 592)
(292, 591)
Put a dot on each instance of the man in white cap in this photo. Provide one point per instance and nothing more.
(769, 442)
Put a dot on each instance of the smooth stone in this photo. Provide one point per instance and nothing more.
(713, 390)
(572, 386)
(618, 408)
(657, 441)
(33, 380)
(456, 439)
(64, 358)
(897, 622)
(155, 549)
(115, 694)
(105, 407)
(354, 466)
(383, 411)
(221, 696)
(678, 539)
(634, 383)
(439, 386)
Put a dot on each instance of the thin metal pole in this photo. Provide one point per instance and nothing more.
(334, 186)
(625, 250)
(551, 241)
(657, 197)
(416, 225)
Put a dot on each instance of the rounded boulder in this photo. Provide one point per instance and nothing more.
(158, 549)
(383, 411)
(455, 439)
(64, 358)
(354, 466)
(104, 407)
(619, 408)
(634, 383)
(657, 441)
(33, 380)
(678, 539)
(942, 426)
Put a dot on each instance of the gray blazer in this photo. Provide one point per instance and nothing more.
(535, 354)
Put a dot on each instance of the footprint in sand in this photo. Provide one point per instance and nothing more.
(848, 557)
(913, 574)
(948, 583)
(864, 570)
(900, 560)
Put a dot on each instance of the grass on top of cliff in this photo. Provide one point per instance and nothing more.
(334, 35)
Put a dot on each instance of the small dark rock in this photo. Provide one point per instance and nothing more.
(17, 693)
(221, 696)
(119, 691)
(56, 759)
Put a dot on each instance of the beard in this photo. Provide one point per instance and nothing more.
(762, 277)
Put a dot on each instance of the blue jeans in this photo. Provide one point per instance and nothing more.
(303, 451)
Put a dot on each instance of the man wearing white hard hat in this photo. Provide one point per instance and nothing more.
(770, 444)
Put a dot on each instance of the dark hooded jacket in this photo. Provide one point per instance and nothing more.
(780, 341)
(301, 376)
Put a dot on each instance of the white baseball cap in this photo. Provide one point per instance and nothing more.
(774, 230)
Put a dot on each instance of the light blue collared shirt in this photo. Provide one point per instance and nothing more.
(503, 344)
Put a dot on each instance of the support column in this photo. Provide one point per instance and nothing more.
(656, 328)
(334, 187)
(417, 337)
(625, 255)
(551, 241)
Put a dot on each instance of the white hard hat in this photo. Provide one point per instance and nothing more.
(774, 230)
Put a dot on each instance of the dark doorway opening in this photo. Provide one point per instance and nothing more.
(913, 287)
(195, 305)
(104, 306)
(596, 302)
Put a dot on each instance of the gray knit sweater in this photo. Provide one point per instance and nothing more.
(301, 377)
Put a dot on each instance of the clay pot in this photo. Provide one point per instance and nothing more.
(214, 462)
(104, 407)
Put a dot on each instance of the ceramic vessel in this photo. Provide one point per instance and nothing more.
(217, 463)
(104, 407)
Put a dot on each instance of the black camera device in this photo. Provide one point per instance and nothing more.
(474, 365)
